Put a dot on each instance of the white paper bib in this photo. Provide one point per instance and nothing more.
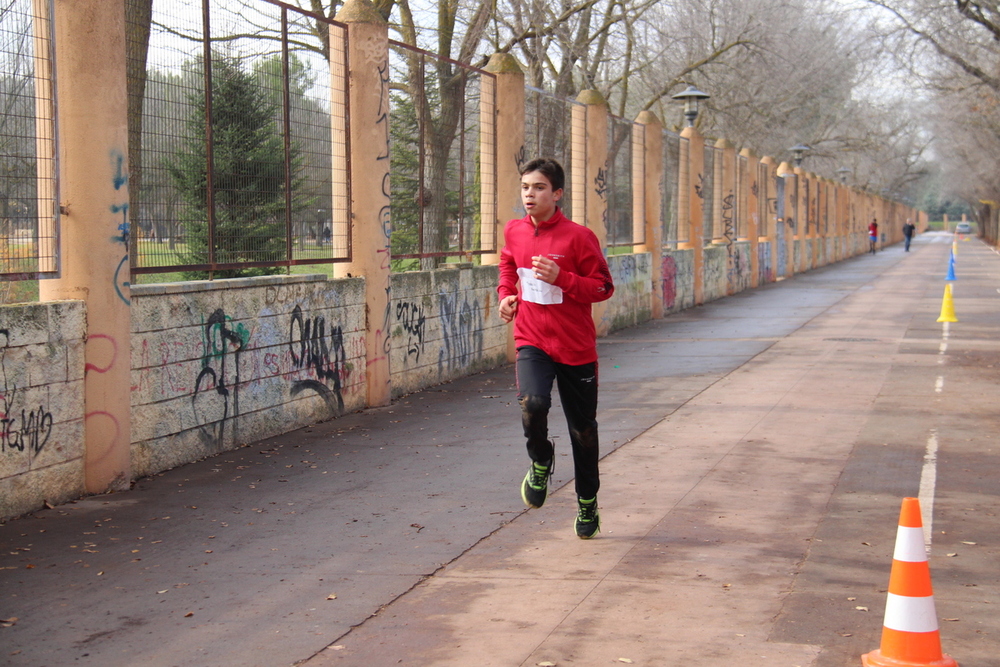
(538, 291)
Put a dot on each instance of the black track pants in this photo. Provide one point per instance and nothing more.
(578, 392)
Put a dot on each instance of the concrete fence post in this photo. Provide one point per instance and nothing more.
(510, 156)
(368, 82)
(751, 189)
(590, 184)
(769, 234)
(724, 204)
(652, 189)
(792, 218)
(694, 171)
(93, 171)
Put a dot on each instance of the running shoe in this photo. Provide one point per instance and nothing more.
(588, 519)
(535, 486)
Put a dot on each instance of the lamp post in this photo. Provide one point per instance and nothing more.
(797, 152)
(690, 98)
(843, 172)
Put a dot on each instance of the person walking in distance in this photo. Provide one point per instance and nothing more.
(551, 271)
(908, 230)
(872, 235)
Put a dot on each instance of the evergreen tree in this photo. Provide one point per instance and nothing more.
(248, 185)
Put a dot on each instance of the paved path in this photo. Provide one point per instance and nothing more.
(761, 445)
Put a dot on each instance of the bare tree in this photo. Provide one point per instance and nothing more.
(951, 47)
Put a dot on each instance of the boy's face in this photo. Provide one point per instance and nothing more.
(538, 197)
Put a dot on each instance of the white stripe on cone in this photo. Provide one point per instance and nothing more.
(906, 614)
(910, 545)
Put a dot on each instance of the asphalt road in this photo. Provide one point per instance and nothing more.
(336, 534)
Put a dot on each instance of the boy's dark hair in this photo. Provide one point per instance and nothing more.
(549, 168)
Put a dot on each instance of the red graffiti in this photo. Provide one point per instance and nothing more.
(114, 353)
(669, 273)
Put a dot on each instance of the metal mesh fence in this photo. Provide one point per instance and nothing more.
(437, 153)
(669, 190)
(805, 190)
(741, 214)
(706, 190)
(548, 120)
(256, 190)
(766, 204)
(28, 186)
(618, 183)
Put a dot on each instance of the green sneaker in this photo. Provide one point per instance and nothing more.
(588, 520)
(535, 486)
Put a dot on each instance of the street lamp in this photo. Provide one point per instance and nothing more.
(797, 152)
(843, 172)
(690, 98)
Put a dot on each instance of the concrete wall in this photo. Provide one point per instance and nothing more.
(222, 363)
(678, 280)
(738, 267)
(41, 389)
(716, 272)
(631, 302)
(445, 325)
(765, 264)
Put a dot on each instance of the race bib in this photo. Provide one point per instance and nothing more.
(538, 291)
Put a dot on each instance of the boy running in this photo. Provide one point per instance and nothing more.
(560, 269)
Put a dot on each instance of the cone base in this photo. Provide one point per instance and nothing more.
(876, 659)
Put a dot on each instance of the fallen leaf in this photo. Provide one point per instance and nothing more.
(844, 634)
(100, 573)
(338, 647)
(862, 608)
(969, 543)
(950, 619)
(546, 664)
(189, 614)
(952, 555)
(851, 599)
(625, 660)
(331, 596)
(163, 591)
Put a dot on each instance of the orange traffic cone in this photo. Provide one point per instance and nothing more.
(910, 630)
(947, 306)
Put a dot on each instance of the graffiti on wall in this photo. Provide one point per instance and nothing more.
(410, 317)
(26, 431)
(461, 331)
(627, 269)
(383, 336)
(668, 270)
(320, 352)
(216, 396)
(121, 271)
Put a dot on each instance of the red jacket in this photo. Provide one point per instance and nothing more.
(565, 331)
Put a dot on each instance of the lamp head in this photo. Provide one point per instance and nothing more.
(797, 152)
(690, 97)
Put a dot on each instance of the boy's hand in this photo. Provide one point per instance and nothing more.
(545, 269)
(508, 308)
